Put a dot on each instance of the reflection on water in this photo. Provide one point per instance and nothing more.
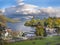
(20, 25)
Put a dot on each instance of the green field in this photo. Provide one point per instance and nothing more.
(46, 41)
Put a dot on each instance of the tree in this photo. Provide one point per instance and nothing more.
(38, 24)
(57, 25)
(31, 23)
(39, 31)
(49, 22)
(3, 21)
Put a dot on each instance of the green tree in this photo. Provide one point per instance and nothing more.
(49, 22)
(31, 23)
(57, 25)
(39, 31)
(38, 24)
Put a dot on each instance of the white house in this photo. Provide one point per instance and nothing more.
(29, 34)
(50, 31)
(7, 35)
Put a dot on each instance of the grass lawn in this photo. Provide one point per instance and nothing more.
(46, 41)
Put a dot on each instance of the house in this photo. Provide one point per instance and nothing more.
(50, 31)
(17, 34)
(7, 34)
(29, 34)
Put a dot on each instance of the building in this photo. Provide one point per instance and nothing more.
(7, 34)
(29, 34)
(50, 31)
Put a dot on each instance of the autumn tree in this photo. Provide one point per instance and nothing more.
(3, 21)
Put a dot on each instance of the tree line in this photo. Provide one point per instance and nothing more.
(40, 25)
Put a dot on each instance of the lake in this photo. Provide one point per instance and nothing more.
(23, 18)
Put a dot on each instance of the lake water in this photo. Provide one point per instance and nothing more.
(20, 25)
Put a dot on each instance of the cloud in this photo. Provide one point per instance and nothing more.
(51, 11)
(20, 2)
(28, 9)
(2, 11)
(24, 9)
(28, 17)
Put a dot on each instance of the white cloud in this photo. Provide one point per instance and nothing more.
(28, 17)
(20, 2)
(2, 11)
(48, 10)
(32, 9)
(26, 9)
(51, 11)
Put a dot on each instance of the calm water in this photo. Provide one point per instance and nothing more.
(20, 25)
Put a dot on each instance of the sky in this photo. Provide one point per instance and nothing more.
(40, 3)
